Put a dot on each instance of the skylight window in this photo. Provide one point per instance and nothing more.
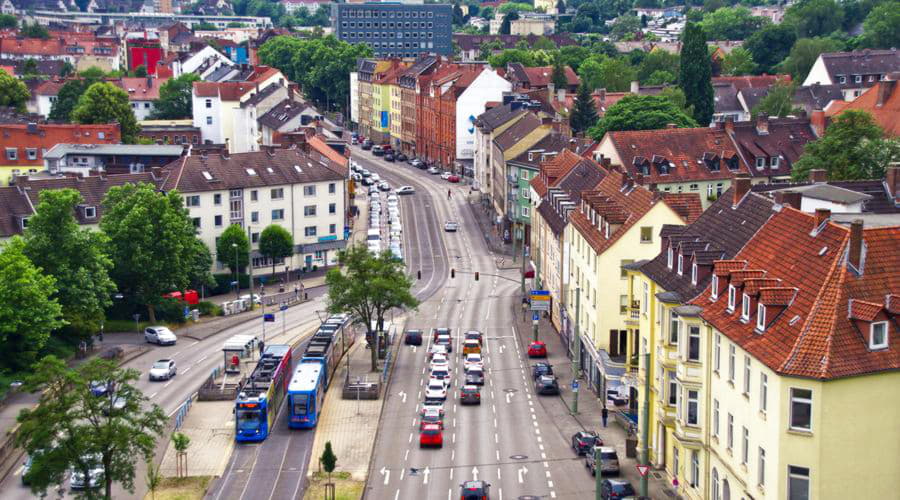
(250, 171)
(269, 170)
(298, 169)
(207, 175)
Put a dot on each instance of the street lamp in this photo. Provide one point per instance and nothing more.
(237, 282)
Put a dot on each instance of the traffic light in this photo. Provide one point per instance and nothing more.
(476, 275)
(452, 273)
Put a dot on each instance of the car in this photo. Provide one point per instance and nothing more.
(163, 369)
(453, 178)
(473, 361)
(353, 141)
(160, 335)
(437, 406)
(609, 460)
(367, 145)
(537, 350)
(367, 181)
(400, 157)
(615, 397)
(445, 175)
(433, 170)
(444, 381)
(471, 346)
(584, 441)
(436, 389)
(376, 177)
(94, 473)
(389, 157)
(442, 373)
(26, 467)
(445, 341)
(378, 150)
(102, 387)
(540, 369)
(475, 377)
(439, 360)
(384, 186)
(431, 416)
(356, 176)
(437, 349)
(431, 435)
(474, 335)
(405, 190)
(413, 337)
(451, 226)
(546, 385)
(437, 332)
(470, 395)
(366, 173)
(475, 490)
(618, 489)
(117, 405)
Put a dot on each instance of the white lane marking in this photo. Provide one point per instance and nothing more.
(176, 354)
(397, 495)
(152, 395)
(547, 465)
(406, 456)
(410, 437)
(186, 370)
(552, 494)
(454, 437)
(543, 456)
(167, 383)
(201, 359)
(426, 473)
(498, 473)
(550, 484)
(403, 395)
(541, 447)
(498, 455)
(496, 439)
(195, 343)
(500, 490)
(452, 455)
(387, 475)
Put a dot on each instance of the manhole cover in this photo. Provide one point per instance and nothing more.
(518, 457)
(510, 390)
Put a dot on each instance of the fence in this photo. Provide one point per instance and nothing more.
(183, 410)
(211, 391)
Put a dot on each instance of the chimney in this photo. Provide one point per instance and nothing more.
(639, 179)
(635, 87)
(854, 256)
(149, 82)
(789, 198)
(741, 185)
(762, 124)
(817, 122)
(561, 95)
(822, 215)
(892, 179)
(729, 124)
(818, 175)
(885, 89)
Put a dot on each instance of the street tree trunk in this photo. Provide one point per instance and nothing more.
(151, 314)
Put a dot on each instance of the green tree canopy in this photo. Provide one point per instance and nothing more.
(8, 21)
(612, 74)
(804, 54)
(233, 244)
(28, 310)
(34, 31)
(658, 60)
(175, 98)
(574, 55)
(13, 92)
(104, 102)
(778, 102)
(75, 257)
(508, 18)
(559, 78)
(71, 428)
(812, 18)
(515, 7)
(660, 77)
(625, 27)
(152, 242)
(544, 43)
(695, 78)
(368, 286)
(853, 147)
(770, 45)
(275, 242)
(639, 112)
(67, 99)
(140, 71)
(731, 23)
(584, 112)
(738, 62)
(882, 26)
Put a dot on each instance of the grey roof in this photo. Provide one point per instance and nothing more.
(860, 62)
(551, 144)
(827, 192)
(514, 134)
(281, 113)
(817, 96)
(60, 150)
(582, 177)
(879, 203)
(496, 116)
(726, 98)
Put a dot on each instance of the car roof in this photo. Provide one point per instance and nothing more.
(547, 378)
(471, 387)
(432, 411)
(163, 360)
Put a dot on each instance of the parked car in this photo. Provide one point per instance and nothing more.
(470, 395)
(102, 387)
(453, 178)
(537, 350)
(608, 457)
(451, 226)
(389, 157)
(546, 385)
(431, 435)
(377, 150)
(433, 170)
(384, 186)
(475, 490)
(413, 337)
(163, 369)
(618, 489)
(400, 157)
(445, 175)
(367, 145)
(159, 335)
(405, 190)
(541, 369)
(94, 473)
(584, 441)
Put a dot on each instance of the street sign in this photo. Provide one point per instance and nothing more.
(535, 316)
(540, 295)
(643, 470)
(269, 318)
(575, 386)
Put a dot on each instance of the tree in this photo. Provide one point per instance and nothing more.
(66, 70)
(75, 257)
(66, 99)
(30, 68)
(676, 95)
(104, 102)
(559, 78)
(367, 286)
(882, 26)
(458, 17)
(625, 26)
(8, 21)
(738, 62)
(804, 54)
(507, 20)
(181, 442)
(853, 147)
(154, 479)
(72, 428)
(612, 74)
(152, 242)
(328, 460)
(275, 242)
(544, 43)
(695, 78)
(660, 78)
(233, 237)
(584, 112)
(34, 31)
(770, 45)
(13, 92)
(778, 102)
(560, 7)
(28, 310)
(658, 60)
(731, 23)
(175, 98)
(573, 55)
(640, 112)
(813, 18)
(140, 71)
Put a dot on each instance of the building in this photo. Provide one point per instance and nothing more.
(487, 87)
(728, 90)
(310, 6)
(386, 103)
(87, 159)
(490, 124)
(143, 49)
(146, 19)
(882, 101)
(44, 95)
(203, 62)
(395, 29)
(82, 52)
(24, 145)
(526, 79)
(142, 94)
(171, 131)
(854, 71)
(300, 189)
(533, 23)
(408, 81)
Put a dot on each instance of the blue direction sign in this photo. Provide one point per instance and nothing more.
(269, 317)
(535, 316)
(575, 385)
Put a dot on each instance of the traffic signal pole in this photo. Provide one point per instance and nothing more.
(645, 428)
(576, 353)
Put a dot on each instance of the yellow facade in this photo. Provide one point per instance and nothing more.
(8, 172)
(396, 107)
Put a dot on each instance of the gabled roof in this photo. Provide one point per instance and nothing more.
(141, 89)
(881, 101)
(281, 113)
(538, 76)
(878, 201)
(860, 62)
(553, 170)
(783, 137)
(817, 96)
(518, 131)
(497, 116)
(814, 335)
(548, 147)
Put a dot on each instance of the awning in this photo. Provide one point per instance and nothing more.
(322, 246)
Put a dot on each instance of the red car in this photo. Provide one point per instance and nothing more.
(453, 178)
(537, 350)
(431, 435)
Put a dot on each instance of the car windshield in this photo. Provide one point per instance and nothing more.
(623, 489)
(248, 419)
(475, 373)
(431, 432)
(609, 455)
(161, 364)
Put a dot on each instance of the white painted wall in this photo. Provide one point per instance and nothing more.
(818, 74)
(487, 87)
(208, 118)
(354, 97)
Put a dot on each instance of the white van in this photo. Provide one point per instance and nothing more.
(373, 234)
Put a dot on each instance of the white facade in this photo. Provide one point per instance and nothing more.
(818, 74)
(487, 87)
(208, 117)
(141, 109)
(44, 104)
(354, 97)
(192, 63)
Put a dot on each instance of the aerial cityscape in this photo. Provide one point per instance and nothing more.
(476, 250)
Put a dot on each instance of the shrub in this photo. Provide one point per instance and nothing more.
(170, 311)
(207, 308)
(223, 282)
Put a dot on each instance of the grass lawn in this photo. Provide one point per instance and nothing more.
(181, 488)
(345, 488)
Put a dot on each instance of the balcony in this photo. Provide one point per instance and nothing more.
(633, 316)
(512, 179)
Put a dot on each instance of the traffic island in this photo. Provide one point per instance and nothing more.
(180, 488)
(345, 487)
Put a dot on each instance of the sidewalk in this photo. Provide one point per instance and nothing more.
(350, 425)
(589, 407)
(488, 230)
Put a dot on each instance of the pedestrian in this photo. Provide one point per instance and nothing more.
(262, 345)
(604, 414)
(448, 194)
(235, 361)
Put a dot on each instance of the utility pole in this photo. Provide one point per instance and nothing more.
(576, 353)
(598, 477)
(250, 266)
(537, 284)
(645, 428)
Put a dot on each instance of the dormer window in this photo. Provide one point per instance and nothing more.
(680, 264)
(878, 335)
(842, 79)
(731, 294)
(694, 274)
(714, 294)
(760, 317)
(857, 78)
(669, 258)
(90, 212)
(760, 163)
(745, 307)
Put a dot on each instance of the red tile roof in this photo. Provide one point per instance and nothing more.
(540, 76)
(753, 82)
(141, 89)
(821, 310)
(47, 135)
(881, 101)
(687, 205)
(553, 170)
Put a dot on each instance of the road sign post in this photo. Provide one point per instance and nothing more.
(575, 397)
(283, 318)
(598, 468)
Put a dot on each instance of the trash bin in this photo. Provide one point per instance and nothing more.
(631, 447)
(195, 314)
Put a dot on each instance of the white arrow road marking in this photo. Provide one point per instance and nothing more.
(402, 395)
(425, 473)
(475, 473)
(522, 472)
(387, 475)
(508, 395)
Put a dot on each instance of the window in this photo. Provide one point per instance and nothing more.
(254, 216)
(761, 468)
(675, 463)
(760, 316)
(731, 294)
(695, 468)
(254, 238)
(278, 214)
(717, 358)
(669, 258)
(715, 422)
(745, 446)
(760, 163)
(693, 415)
(309, 210)
(209, 120)
(146, 105)
(332, 188)
(277, 193)
(12, 154)
(673, 327)
(731, 361)
(646, 298)
(773, 162)
(332, 229)
(878, 338)
(524, 211)
(730, 431)
(680, 264)
(90, 212)
(673, 388)
(798, 483)
(715, 484)
(309, 190)
(746, 374)
(209, 103)
(801, 409)
(857, 78)
(842, 79)
(694, 273)
(218, 220)
(332, 208)
(694, 343)
(763, 391)
(647, 234)
(31, 153)
(309, 231)
(196, 222)
(192, 201)
(745, 307)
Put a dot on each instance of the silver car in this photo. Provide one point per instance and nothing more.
(159, 335)
(94, 474)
